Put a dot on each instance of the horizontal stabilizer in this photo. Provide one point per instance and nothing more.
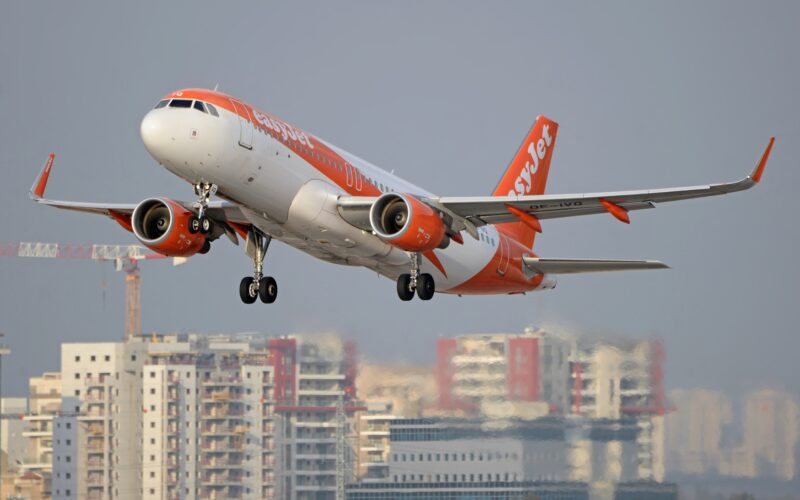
(574, 266)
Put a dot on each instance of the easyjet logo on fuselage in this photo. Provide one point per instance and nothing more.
(282, 128)
(537, 150)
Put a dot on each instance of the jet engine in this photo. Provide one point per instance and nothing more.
(162, 225)
(407, 223)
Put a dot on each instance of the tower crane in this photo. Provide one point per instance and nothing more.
(126, 259)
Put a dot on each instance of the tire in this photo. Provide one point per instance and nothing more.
(425, 286)
(206, 225)
(404, 290)
(268, 290)
(194, 224)
(244, 290)
(205, 248)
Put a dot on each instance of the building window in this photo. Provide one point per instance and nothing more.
(77, 359)
(93, 358)
(107, 358)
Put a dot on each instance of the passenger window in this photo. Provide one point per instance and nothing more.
(199, 106)
(161, 104)
(212, 109)
(180, 103)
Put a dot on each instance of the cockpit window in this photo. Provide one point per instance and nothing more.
(180, 103)
(198, 105)
(212, 109)
(161, 104)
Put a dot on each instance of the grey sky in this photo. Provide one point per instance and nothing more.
(647, 95)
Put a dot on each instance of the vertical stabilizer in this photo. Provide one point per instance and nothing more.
(527, 173)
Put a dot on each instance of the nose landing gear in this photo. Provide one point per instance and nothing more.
(423, 283)
(258, 285)
(200, 222)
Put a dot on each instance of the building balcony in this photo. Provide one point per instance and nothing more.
(320, 376)
(95, 479)
(97, 381)
(221, 463)
(95, 464)
(221, 481)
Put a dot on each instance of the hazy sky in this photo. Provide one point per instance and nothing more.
(647, 95)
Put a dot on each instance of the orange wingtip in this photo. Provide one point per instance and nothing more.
(41, 183)
(756, 175)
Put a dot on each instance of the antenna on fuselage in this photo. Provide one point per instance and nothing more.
(216, 87)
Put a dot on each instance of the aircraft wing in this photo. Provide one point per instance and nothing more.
(473, 211)
(219, 210)
(575, 266)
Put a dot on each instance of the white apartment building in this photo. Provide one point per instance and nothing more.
(172, 417)
(97, 437)
(207, 422)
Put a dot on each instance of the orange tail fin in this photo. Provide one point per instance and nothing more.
(527, 173)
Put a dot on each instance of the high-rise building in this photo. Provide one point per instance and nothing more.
(97, 435)
(316, 411)
(770, 431)
(623, 379)
(694, 430)
(483, 373)
(207, 421)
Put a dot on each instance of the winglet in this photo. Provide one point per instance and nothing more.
(756, 175)
(39, 185)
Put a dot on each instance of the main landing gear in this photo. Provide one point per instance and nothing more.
(200, 222)
(423, 283)
(258, 285)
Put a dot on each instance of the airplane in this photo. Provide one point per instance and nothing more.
(275, 180)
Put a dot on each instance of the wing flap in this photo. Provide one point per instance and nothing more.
(575, 266)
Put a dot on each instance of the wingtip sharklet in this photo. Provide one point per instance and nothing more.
(40, 184)
(759, 170)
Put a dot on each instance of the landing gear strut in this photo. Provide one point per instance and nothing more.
(423, 283)
(258, 285)
(200, 222)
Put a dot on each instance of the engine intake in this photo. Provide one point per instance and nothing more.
(162, 225)
(407, 223)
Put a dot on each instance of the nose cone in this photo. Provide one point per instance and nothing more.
(155, 135)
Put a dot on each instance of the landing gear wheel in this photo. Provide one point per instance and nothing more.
(248, 292)
(194, 224)
(425, 286)
(268, 290)
(206, 225)
(404, 290)
(205, 248)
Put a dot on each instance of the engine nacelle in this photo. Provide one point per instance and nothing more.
(407, 223)
(162, 225)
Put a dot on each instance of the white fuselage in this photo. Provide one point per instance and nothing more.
(292, 200)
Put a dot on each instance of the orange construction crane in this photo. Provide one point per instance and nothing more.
(126, 258)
